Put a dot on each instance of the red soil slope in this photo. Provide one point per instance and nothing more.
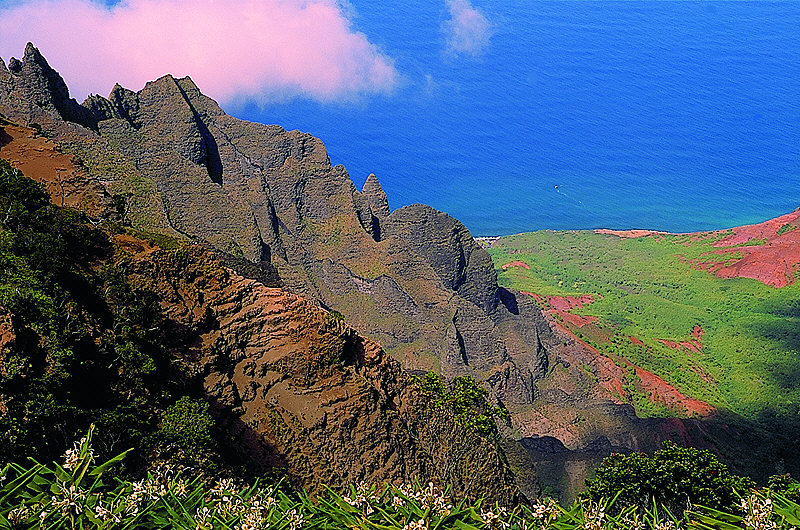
(516, 264)
(610, 376)
(65, 180)
(775, 262)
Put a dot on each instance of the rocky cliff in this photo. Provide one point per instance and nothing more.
(296, 388)
(102, 326)
(412, 280)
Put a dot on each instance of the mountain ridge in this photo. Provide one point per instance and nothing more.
(413, 279)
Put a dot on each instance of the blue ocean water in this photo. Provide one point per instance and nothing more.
(668, 115)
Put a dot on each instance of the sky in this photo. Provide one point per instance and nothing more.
(262, 51)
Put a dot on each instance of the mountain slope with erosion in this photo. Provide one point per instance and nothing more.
(102, 326)
(412, 279)
(168, 160)
(697, 325)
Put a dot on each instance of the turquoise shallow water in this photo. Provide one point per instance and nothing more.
(675, 116)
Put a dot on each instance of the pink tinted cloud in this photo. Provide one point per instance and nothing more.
(468, 31)
(233, 49)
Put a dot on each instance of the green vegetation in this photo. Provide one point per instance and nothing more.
(646, 288)
(466, 399)
(674, 477)
(77, 493)
(81, 344)
(36, 127)
(188, 424)
(159, 240)
(786, 228)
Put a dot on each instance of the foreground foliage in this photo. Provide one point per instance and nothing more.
(77, 493)
(82, 344)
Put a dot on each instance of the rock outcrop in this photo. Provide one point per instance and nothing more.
(35, 88)
(297, 388)
(413, 279)
(291, 385)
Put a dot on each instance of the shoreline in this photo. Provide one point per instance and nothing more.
(633, 232)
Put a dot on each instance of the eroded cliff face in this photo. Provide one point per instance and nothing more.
(413, 279)
(291, 385)
(295, 387)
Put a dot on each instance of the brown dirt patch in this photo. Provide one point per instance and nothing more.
(567, 303)
(628, 233)
(576, 320)
(516, 264)
(774, 263)
(535, 296)
(662, 392)
(65, 180)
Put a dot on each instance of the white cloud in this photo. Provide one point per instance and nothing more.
(233, 49)
(468, 31)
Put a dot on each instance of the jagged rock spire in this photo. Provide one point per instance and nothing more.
(42, 89)
(376, 197)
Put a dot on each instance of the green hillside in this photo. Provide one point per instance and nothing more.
(749, 362)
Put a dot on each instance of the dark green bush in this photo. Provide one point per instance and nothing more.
(784, 485)
(188, 424)
(675, 477)
(466, 399)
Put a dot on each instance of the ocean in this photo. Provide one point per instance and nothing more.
(667, 115)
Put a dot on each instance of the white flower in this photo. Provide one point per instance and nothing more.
(104, 514)
(72, 456)
(19, 514)
(758, 513)
(295, 519)
(593, 517)
(495, 520)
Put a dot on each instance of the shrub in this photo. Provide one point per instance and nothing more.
(188, 424)
(784, 485)
(674, 477)
(466, 399)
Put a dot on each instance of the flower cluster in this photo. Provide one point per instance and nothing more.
(429, 498)
(252, 511)
(545, 511)
(362, 497)
(594, 516)
(73, 456)
(111, 512)
(495, 520)
(416, 525)
(294, 519)
(632, 521)
(664, 525)
(19, 514)
(69, 499)
(156, 486)
(758, 513)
